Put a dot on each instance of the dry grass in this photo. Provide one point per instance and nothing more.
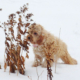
(14, 44)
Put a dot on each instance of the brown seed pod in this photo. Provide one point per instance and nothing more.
(7, 38)
(26, 25)
(31, 19)
(11, 16)
(20, 19)
(22, 31)
(27, 55)
(29, 15)
(7, 44)
(19, 36)
(18, 12)
(5, 66)
(11, 29)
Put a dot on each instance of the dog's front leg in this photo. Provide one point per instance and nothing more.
(37, 61)
(50, 59)
(44, 64)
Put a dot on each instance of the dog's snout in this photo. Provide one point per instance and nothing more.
(28, 37)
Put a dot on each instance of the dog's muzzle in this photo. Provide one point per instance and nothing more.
(35, 45)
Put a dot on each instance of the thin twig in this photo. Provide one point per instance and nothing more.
(29, 77)
(41, 73)
(38, 74)
(55, 57)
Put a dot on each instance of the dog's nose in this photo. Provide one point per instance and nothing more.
(28, 37)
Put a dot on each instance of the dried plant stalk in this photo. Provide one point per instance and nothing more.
(49, 70)
(55, 57)
(0, 66)
(49, 60)
(14, 59)
(0, 9)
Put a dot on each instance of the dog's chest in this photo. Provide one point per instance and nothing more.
(39, 51)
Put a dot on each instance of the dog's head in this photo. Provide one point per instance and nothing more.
(35, 34)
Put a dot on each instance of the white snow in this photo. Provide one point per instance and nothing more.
(53, 15)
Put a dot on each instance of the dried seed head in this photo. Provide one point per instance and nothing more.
(27, 55)
(26, 25)
(14, 56)
(18, 12)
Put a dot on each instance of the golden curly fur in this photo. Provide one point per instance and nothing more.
(46, 43)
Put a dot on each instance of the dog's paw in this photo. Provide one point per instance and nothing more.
(73, 62)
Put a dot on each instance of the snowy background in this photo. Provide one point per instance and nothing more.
(53, 15)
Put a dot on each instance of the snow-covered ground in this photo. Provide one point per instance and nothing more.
(53, 15)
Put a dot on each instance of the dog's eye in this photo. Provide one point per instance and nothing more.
(35, 33)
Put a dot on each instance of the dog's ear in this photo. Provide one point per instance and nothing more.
(40, 40)
(42, 31)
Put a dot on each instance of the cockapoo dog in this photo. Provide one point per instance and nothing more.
(45, 43)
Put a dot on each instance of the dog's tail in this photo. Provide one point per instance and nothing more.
(68, 59)
(73, 61)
